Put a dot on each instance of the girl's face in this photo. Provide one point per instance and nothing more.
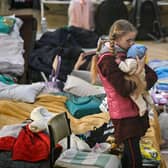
(126, 40)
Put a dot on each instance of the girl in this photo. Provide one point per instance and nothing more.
(129, 126)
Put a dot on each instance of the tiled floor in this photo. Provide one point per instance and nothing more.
(56, 16)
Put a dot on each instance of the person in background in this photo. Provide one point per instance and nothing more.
(129, 125)
(81, 14)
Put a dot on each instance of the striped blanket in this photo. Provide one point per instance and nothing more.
(99, 160)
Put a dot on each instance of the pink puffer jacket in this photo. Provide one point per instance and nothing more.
(119, 107)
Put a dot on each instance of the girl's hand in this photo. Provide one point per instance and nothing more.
(140, 65)
(118, 60)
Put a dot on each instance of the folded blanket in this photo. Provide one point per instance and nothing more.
(89, 158)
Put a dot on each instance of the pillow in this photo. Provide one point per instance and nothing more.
(26, 93)
(80, 87)
(85, 75)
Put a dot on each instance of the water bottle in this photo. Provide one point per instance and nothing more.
(165, 108)
(43, 25)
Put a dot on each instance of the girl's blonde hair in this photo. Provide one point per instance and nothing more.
(119, 28)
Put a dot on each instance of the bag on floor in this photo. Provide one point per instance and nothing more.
(145, 15)
(108, 12)
(53, 85)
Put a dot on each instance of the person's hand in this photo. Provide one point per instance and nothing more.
(118, 60)
(81, 60)
(140, 65)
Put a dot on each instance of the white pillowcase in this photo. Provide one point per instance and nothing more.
(80, 87)
(26, 93)
(85, 75)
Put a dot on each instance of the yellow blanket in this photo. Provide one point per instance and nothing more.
(153, 136)
(12, 112)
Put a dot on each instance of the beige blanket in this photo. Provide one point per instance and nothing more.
(153, 135)
(12, 112)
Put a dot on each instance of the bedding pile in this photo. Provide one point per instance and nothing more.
(11, 44)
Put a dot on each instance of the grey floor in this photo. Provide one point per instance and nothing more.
(56, 16)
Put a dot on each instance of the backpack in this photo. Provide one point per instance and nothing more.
(108, 12)
(145, 16)
(19, 4)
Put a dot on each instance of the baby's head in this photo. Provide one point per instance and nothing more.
(136, 50)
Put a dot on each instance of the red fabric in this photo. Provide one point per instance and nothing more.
(31, 146)
(7, 143)
(57, 151)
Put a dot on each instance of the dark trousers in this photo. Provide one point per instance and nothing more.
(131, 157)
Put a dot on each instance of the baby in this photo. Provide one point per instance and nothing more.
(141, 97)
